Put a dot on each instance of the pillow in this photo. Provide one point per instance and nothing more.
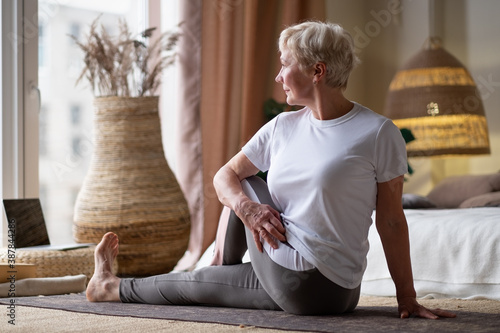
(483, 200)
(452, 191)
(413, 201)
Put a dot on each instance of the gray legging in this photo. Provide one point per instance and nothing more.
(259, 284)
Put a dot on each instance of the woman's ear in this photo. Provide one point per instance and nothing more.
(319, 70)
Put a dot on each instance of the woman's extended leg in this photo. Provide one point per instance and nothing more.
(234, 286)
(229, 285)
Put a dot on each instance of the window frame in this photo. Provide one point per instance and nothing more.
(20, 100)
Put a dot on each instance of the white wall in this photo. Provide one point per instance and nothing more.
(389, 32)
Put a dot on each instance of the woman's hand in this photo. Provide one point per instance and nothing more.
(263, 221)
(409, 307)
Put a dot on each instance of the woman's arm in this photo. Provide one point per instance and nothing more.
(393, 230)
(262, 220)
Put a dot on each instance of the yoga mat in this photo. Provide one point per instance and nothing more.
(363, 319)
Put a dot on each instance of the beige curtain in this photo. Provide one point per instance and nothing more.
(224, 86)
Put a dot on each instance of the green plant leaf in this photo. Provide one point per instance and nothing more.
(408, 137)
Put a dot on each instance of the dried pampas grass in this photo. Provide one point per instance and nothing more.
(124, 65)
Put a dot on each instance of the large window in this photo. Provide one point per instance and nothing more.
(47, 130)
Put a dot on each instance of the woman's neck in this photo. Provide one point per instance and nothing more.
(330, 104)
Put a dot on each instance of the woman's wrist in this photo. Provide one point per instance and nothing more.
(240, 207)
(401, 297)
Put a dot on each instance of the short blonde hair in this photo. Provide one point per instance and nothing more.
(312, 42)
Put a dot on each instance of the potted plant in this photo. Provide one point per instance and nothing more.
(129, 188)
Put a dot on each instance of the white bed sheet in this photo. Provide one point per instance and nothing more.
(455, 254)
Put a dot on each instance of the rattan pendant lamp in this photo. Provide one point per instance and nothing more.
(435, 97)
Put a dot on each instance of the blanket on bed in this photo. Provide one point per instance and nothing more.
(455, 254)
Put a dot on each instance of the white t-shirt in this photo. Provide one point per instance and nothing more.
(323, 178)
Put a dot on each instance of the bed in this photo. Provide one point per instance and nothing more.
(454, 242)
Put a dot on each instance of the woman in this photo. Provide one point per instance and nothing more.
(330, 164)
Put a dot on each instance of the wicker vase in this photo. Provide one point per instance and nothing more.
(131, 190)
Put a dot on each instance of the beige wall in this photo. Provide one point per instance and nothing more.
(389, 32)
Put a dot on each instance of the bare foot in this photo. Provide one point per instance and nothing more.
(104, 285)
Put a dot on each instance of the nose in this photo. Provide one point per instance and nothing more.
(278, 77)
